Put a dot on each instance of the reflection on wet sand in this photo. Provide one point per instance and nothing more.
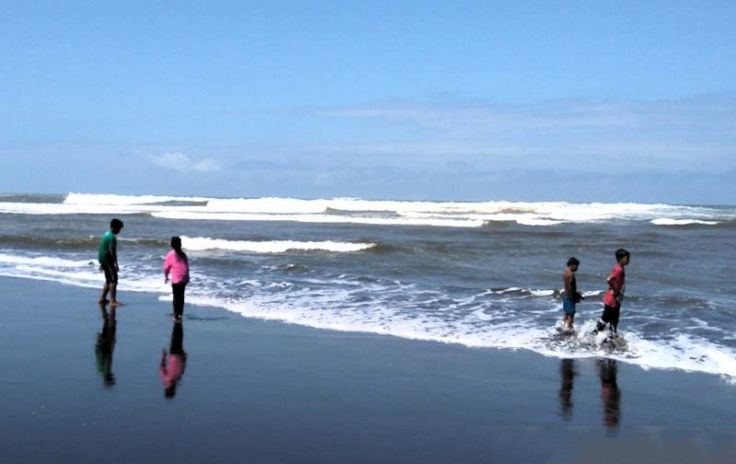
(174, 362)
(105, 345)
(610, 393)
(567, 376)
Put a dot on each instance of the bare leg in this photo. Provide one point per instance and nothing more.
(113, 296)
(103, 296)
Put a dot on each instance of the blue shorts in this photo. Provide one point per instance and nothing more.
(568, 306)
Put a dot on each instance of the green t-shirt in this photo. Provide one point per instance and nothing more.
(103, 253)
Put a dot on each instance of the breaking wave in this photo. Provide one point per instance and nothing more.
(372, 212)
(681, 222)
(271, 246)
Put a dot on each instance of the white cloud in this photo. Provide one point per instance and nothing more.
(182, 162)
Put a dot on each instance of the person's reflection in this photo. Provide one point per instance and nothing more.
(173, 364)
(567, 376)
(104, 346)
(610, 393)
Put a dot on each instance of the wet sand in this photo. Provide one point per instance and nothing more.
(77, 385)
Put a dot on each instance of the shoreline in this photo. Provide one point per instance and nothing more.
(286, 393)
(546, 353)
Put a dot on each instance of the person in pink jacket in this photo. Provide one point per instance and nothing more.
(176, 269)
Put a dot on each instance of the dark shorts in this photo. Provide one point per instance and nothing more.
(610, 315)
(568, 306)
(111, 274)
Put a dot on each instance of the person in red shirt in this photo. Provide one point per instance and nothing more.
(615, 293)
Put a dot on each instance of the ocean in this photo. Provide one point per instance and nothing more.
(479, 274)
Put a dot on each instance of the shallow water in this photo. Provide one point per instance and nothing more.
(479, 274)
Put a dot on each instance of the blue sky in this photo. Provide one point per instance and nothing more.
(577, 101)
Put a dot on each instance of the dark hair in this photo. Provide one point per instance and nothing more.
(116, 224)
(176, 245)
(573, 260)
(621, 253)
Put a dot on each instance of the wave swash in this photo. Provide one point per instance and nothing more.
(447, 272)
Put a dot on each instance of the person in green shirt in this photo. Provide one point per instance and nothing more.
(107, 255)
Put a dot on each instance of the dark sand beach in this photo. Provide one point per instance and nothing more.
(74, 389)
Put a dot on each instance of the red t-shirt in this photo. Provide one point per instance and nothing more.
(617, 282)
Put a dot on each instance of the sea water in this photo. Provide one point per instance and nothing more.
(480, 274)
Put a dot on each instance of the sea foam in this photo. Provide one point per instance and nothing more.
(271, 246)
(44, 261)
(397, 310)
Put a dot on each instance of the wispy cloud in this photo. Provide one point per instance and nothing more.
(577, 114)
(686, 131)
(183, 163)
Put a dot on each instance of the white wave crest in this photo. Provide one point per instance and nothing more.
(268, 205)
(271, 246)
(376, 212)
(47, 261)
(536, 292)
(681, 222)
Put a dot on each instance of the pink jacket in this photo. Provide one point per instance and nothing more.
(177, 267)
(172, 369)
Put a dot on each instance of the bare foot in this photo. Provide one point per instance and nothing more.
(115, 304)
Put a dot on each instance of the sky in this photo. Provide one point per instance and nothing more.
(438, 100)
